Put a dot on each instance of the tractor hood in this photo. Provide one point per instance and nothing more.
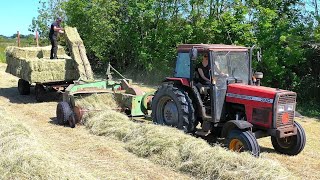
(249, 94)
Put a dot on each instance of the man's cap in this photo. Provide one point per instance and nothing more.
(59, 19)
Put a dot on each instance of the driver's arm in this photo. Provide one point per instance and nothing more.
(55, 28)
(202, 75)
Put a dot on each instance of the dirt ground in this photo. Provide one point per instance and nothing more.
(102, 157)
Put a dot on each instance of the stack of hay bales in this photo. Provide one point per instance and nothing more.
(33, 64)
(78, 53)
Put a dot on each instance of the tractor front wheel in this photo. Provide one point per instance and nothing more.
(241, 141)
(291, 145)
(172, 106)
(23, 87)
(65, 114)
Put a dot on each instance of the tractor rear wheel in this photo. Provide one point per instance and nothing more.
(241, 141)
(172, 106)
(23, 87)
(65, 114)
(39, 92)
(292, 145)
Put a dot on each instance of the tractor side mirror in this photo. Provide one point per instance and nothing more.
(259, 55)
(258, 76)
(193, 54)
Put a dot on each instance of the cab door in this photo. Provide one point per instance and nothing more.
(219, 75)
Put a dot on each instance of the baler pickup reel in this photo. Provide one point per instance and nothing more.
(131, 100)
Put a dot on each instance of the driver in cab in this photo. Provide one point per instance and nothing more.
(204, 70)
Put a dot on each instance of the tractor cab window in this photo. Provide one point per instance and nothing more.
(232, 65)
(182, 69)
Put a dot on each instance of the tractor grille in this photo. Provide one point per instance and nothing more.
(279, 117)
(287, 98)
(284, 99)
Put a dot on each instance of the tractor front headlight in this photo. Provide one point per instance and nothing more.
(290, 107)
(281, 108)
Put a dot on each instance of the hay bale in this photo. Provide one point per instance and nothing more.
(33, 52)
(78, 53)
(171, 147)
(33, 64)
(22, 157)
(42, 70)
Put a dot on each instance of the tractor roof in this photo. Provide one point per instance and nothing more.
(211, 47)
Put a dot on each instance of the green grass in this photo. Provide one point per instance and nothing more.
(3, 44)
(310, 109)
(12, 42)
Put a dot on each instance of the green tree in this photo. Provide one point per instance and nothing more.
(48, 11)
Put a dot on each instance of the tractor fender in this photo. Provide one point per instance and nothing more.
(182, 81)
(235, 124)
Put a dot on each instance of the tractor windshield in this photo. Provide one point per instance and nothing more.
(230, 64)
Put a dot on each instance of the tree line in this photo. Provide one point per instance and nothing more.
(143, 34)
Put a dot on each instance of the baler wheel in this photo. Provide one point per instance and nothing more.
(65, 114)
(23, 87)
(292, 145)
(241, 141)
(39, 92)
(172, 106)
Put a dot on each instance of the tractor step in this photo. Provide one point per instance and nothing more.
(201, 132)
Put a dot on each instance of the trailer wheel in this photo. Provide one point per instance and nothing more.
(65, 114)
(172, 106)
(23, 87)
(292, 145)
(241, 141)
(39, 92)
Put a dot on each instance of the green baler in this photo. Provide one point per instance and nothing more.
(132, 101)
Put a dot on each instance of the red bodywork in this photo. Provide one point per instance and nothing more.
(257, 100)
(183, 81)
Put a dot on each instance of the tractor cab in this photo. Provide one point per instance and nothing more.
(228, 64)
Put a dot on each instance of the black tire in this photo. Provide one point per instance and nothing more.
(172, 106)
(65, 114)
(292, 145)
(23, 87)
(242, 141)
(39, 92)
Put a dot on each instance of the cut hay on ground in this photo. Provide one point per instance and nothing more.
(100, 101)
(78, 53)
(22, 157)
(171, 147)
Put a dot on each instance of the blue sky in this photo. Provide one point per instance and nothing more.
(16, 15)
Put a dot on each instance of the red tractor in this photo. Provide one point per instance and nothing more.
(232, 105)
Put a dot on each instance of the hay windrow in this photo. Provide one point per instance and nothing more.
(171, 147)
(21, 156)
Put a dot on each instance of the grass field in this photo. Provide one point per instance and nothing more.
(3, 45)
(12, 42)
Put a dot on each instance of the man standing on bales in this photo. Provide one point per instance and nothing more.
(55, 29)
